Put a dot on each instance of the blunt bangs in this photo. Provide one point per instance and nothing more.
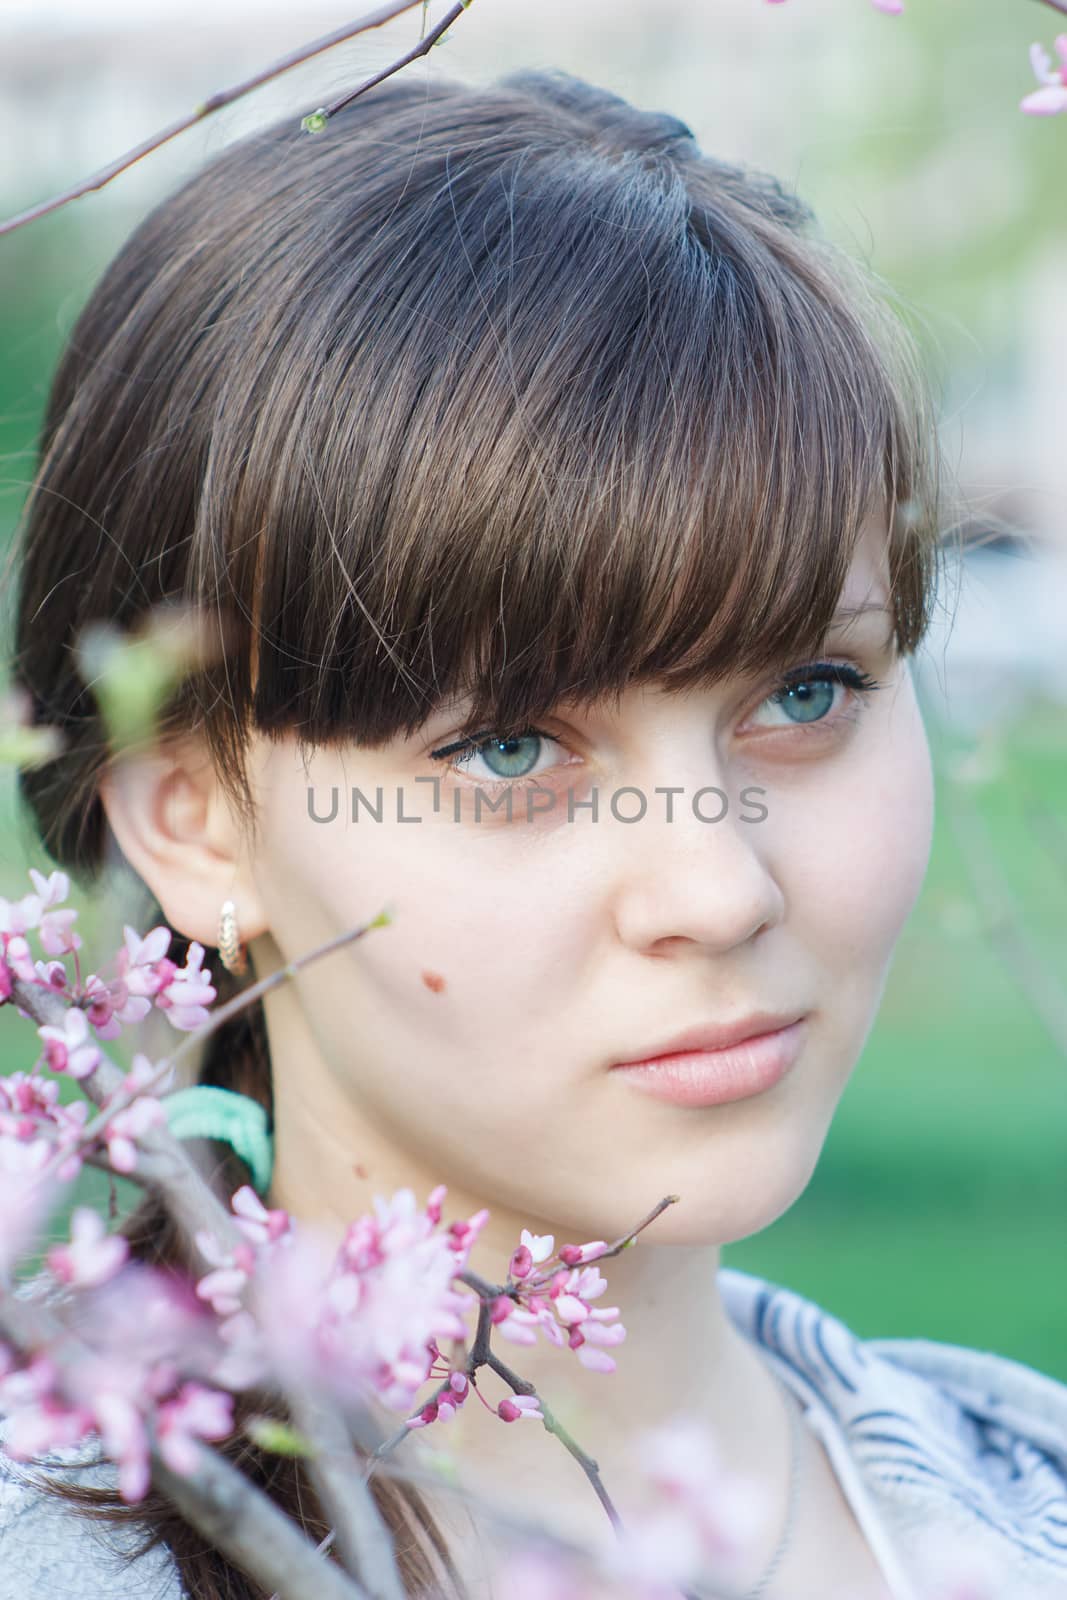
(598, 424)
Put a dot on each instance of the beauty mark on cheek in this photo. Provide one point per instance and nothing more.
(434, 981)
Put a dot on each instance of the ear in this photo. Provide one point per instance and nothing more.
(178, 830)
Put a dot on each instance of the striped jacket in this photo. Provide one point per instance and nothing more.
(932, 1443)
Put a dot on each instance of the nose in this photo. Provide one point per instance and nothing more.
(691, 882)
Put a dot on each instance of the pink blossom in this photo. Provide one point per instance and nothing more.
(52, 975)
(93, 1254)
(521, 1322)
(29, 1104)
(44, 1425)
(561, 1309)
(188, 993)
(1052, 96)
(18, 960)
(701, 1519)
(462, 1236)
(26, 1100)
(521, 1263)
(142, 963)
(141, 1331)
(127, 1126)
(111, 1007)
(143, 971)
(445, 1406)
(125, 1438)
(366, 1319)
(39, 1419)
(25, 1199)
(51, 891)
(576, 1255)
(19, 916)
(520, 1406)
(255, 1221)
(539, 1574)
(194, 1413)
(145, 1074)
(56, 928)
(69, 1048)
(70, 1121)
(223, 1287)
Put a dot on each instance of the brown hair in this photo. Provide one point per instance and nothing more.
(506, 390)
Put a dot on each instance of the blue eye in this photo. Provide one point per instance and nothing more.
(508, 756)
(806, 694)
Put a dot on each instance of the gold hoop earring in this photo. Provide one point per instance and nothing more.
(231, 950)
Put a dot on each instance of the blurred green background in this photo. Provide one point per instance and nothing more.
(939, 1207)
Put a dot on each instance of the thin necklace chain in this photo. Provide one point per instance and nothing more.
(794, 1481)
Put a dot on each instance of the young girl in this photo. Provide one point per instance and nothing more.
(570, 510)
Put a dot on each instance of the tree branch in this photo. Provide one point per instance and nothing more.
(552, 1423)
(364, 1540)
(251, 1531)
(225, 97)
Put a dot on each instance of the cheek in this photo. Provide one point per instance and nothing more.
(858, 847)
(480, 929)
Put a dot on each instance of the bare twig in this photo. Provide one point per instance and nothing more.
(257, 990)
(251, 1531)
(225, 97)
(553, 1425)
(365, 1543)
(422, 48)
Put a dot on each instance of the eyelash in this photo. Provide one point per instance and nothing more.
(816, 672)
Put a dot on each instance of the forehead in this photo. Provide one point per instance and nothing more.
(867, 582)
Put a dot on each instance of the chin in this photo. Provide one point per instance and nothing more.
(719, 1210)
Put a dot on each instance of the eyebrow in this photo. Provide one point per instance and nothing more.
(858, 611)
(847, 614)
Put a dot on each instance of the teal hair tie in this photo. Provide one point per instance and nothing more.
(204, 1112)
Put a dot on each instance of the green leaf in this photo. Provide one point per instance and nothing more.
(278, 1438)
(132, 674)
(29, 747)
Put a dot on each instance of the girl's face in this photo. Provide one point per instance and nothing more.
(469, 1041)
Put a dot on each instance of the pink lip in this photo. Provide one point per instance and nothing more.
(709, 1077)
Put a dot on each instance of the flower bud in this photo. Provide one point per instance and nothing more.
(576, 1255)
(521, 1262)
